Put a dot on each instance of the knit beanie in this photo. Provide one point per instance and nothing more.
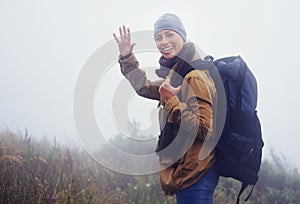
(170, 21)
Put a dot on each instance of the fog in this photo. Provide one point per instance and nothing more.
(45, 44)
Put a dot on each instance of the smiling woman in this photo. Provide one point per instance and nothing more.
(186, 100)
(170, 35)
(169, 43)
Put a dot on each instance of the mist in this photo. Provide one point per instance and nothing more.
(45, 45)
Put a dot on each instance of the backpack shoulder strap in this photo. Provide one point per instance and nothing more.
(198, 64)
(243, 188)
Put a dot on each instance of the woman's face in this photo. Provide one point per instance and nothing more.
(169, 43)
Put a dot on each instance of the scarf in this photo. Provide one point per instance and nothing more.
(181, 66)
(181, 62)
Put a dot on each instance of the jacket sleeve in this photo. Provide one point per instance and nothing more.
(194, 112)
(137, 78)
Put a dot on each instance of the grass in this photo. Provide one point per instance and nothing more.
(34, 171)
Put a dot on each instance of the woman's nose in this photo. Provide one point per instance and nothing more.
(164, 40)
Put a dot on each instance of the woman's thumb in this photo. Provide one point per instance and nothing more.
(177, 89)
(132, 45)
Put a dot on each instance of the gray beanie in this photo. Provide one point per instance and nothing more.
(170, 21)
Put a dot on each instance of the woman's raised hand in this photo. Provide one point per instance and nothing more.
(124, 43)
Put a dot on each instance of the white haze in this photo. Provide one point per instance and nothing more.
(44, 45)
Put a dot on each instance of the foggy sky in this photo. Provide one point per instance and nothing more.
(44, 45)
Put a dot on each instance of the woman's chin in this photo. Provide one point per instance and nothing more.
(168, 56)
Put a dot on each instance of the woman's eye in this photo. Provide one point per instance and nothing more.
(157, 38)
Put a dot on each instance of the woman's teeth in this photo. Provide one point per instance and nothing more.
(167, 49)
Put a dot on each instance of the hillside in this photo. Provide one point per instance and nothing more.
(41, 172)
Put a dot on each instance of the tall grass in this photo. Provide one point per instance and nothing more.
(38, 172)
(34, 171)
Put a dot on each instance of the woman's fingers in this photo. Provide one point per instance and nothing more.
(128, 34)
(167, 86)
(124, 30)
(124, 41)
(116, 39)
(177, 90)
(132, 45)
(121, 33)
(124, 34)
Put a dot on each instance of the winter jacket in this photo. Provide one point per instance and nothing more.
(190, 112)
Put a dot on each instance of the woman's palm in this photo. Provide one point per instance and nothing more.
(124, 43)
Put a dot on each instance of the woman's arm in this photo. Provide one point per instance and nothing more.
(138, 79)
(130, 67)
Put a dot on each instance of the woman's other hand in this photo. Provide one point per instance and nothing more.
(166, 90)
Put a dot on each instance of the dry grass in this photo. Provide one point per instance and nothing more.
(41, 172)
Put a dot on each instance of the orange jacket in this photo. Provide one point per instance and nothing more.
(192, 111)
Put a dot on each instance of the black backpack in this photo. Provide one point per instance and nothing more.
(239, 150)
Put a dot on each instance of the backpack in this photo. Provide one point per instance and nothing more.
(239, 150)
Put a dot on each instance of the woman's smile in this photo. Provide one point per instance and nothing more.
(169, 43)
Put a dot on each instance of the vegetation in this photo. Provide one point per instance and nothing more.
(41, 172)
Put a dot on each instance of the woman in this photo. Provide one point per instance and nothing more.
(186, 97)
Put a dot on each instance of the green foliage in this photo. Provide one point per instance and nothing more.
(278, 184)
(275, 185)
(38, 172)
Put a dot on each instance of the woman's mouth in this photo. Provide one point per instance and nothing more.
(166, 49)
